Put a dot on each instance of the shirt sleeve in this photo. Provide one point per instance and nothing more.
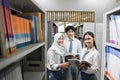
(52, 60)
(95, 65)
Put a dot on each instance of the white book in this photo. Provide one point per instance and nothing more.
(117, 20)
(74, 61)
(113, 30)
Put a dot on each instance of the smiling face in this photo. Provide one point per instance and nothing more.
(60, 41)
(88, 40)
(70, 34)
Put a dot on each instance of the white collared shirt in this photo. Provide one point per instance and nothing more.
(53, 60)
(76, 48)
(93, 57)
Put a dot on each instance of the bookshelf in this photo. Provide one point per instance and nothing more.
(111, 47)
(21, 54)
(52, 30)
(33, 78)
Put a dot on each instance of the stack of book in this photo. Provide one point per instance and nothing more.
(6, 37)
(21, 29)
(114, 25)
(112, 63)
(36, 23)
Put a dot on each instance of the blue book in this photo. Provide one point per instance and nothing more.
(36, 27)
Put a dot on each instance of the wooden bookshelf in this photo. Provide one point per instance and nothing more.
(19, 54)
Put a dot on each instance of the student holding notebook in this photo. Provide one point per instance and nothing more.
(90, 58)
(73, 46)
(56, 67)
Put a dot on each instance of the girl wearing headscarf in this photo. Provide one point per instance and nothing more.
(56, 66)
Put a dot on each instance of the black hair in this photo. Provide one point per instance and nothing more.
(69, 27)
(92, 35)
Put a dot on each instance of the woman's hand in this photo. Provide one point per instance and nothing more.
(64, 65)
(77, 56)
(84, 65)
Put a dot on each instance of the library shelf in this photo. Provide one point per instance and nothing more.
(19, 54)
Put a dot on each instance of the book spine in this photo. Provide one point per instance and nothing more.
(4, 51)
(8, 25)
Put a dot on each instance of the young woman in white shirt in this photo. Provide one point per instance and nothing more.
(91, 55)
(56, 67)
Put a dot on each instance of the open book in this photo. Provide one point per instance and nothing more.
(71, 57)
(74, 61)
(77, 63)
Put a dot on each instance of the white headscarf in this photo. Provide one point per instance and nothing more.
(60, 50)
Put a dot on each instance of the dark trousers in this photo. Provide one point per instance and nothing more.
(88, 76)
(73, 70)
(57, 75)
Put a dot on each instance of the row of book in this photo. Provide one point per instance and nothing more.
(18, 30)
(21, 31)
(6, 37)
(114, 25)
(112, 63)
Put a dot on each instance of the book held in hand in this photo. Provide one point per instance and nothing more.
(74, 61)
(69, 56)
(83, 65)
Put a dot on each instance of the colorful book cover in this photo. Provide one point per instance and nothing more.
(39, 29)
(3, 42)
(21, 30)
(113, 59)
(33, 28)
(27, 32)
(36, 28)
(8, 25)
(6, 36)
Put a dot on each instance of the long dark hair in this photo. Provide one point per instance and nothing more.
(92, 35)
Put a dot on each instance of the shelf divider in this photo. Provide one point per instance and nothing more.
(19, 54)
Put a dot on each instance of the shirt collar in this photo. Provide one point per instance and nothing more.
(93, 48)
(72, 38)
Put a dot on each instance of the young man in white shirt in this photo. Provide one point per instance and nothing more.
(73, 46)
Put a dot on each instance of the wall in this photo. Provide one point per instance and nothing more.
(75, 5)
(99, 6)
(110, 4)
